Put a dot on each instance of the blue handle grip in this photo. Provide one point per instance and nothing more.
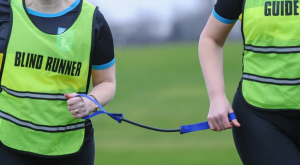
(201, 126)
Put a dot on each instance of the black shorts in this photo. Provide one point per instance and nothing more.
(266, 137)
(86, 156)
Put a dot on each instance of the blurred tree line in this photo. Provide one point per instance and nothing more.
(186, 26)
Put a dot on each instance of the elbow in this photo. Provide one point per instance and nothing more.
(209, 43)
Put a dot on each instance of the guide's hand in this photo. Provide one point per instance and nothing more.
(218, 115)
(79, 106)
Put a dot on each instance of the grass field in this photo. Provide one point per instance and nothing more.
(163, 86)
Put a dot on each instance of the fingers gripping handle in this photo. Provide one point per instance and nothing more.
(116, 116)
(201, 126)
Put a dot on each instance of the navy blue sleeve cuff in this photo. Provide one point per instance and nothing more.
(104, 66)
(221, 19)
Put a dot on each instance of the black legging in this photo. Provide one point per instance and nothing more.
(266, 138)
(85, 157)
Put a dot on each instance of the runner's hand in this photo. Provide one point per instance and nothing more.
(79, 106)
(218, 114)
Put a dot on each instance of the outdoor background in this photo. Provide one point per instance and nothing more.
(160, 83)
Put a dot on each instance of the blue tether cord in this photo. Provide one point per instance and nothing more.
(183, 129)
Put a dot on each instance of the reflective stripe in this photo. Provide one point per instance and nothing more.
(273, 49)
(34, 95)
(272, 80)
(26, 124)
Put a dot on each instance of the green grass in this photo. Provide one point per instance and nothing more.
(163, 86)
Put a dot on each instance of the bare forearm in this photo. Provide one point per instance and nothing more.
(104, 92)
(211, 44)
(211, 60)
(104, 82)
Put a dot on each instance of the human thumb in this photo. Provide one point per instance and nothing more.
(70, 95)
(235, 123)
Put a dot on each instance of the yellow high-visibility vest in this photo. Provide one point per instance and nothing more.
(271, 62)
(38, 69)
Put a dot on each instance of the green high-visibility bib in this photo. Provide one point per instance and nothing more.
(271, 78)
(38, 69)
